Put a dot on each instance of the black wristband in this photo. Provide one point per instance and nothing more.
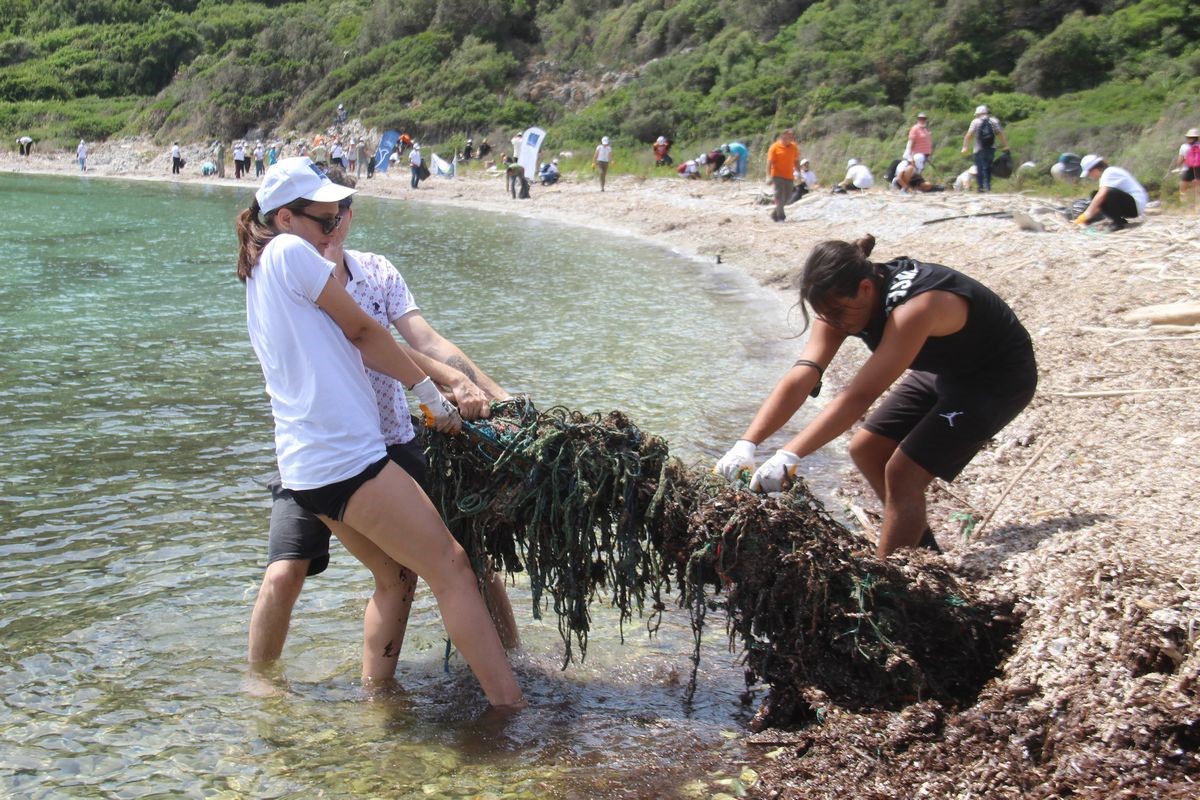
(804, 362)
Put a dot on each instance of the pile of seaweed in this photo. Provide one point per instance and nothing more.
(593, 509)
(561, 496)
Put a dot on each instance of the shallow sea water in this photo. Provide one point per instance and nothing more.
(134, 433)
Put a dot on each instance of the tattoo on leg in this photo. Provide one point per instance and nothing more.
(390, 650)
(462, 366)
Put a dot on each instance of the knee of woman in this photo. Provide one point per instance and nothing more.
(904, 479)
(286, 577)
(404, 580)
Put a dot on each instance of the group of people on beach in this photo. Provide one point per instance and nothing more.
(318, 315)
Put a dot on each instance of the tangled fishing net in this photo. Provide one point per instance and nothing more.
(593, 509)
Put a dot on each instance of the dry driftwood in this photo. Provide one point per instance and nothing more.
(1123, 392)
(1182, 313)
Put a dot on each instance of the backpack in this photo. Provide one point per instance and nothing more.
(986, 133)
(891, 170)
(1002, 167)
(1192, 159)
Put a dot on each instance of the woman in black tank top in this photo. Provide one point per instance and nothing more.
(971, 371)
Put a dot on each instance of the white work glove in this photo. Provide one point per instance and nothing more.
(439, 413)
(776, 473)
(740, 457)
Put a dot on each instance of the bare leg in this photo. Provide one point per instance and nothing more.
(393, 512)
(502, 611)
(870, 452)
(904, 520)
(386, 617)
(272, 613)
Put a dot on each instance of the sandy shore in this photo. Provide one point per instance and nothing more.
(1088, 496)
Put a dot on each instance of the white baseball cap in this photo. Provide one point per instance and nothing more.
(852, 163)
(981, 110)
(1088, 162)
(294, 178)
(603, 140)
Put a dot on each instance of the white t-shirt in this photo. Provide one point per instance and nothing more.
(860, 176)
(258, 152)
(1117, 178)
(414, 158)
(379, 290)
(81, 151)
(174, 151)
(239, 152)
(809, 177)
(604, 152)
(326, 419)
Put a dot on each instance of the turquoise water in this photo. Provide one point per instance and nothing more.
(133, 435)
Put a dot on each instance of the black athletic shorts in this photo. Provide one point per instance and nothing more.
(1190, 174)
(297, 533)
(941, 422)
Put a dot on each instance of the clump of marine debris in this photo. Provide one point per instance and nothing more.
(592, 509)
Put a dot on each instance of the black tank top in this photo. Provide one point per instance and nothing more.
(992, 338)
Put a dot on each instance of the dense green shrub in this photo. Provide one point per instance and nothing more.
(1061, 74)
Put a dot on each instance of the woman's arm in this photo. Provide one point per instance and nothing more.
(422, 336)
(380, 351)
(1093, 209)
(903, 336)
(794, 388)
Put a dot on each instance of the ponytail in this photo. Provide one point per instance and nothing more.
(835, 269)
(253, 234)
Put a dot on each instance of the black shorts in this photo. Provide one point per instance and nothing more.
(1190, 174)
(941, 422)
(298, 534)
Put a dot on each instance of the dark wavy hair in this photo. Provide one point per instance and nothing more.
(835, 269)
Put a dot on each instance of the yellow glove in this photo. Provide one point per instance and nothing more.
(1082, 219)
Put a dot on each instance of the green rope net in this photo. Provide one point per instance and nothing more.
(594, 510)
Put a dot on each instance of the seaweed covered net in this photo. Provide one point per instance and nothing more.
(561, 496)
(589, 506)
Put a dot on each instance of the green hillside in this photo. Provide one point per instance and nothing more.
(1113, 76)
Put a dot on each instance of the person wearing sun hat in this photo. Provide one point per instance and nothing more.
(984, 130)
(312, 340)
(1188, 164)
(858, 178)
(920, 143)
(602, 159)
(1119, 198)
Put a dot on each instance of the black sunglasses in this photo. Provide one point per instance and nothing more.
(328, 224)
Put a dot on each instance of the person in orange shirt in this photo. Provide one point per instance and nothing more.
(783, 162)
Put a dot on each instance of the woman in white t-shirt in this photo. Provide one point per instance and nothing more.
(1119, 198)
(602, 159)
(312, 340)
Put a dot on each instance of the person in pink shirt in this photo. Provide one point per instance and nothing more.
(920, 143)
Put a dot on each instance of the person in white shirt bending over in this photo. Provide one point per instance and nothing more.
(858, 177)
(1119, 198)
(312, 340)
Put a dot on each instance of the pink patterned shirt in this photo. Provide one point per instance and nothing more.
(377, 287)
